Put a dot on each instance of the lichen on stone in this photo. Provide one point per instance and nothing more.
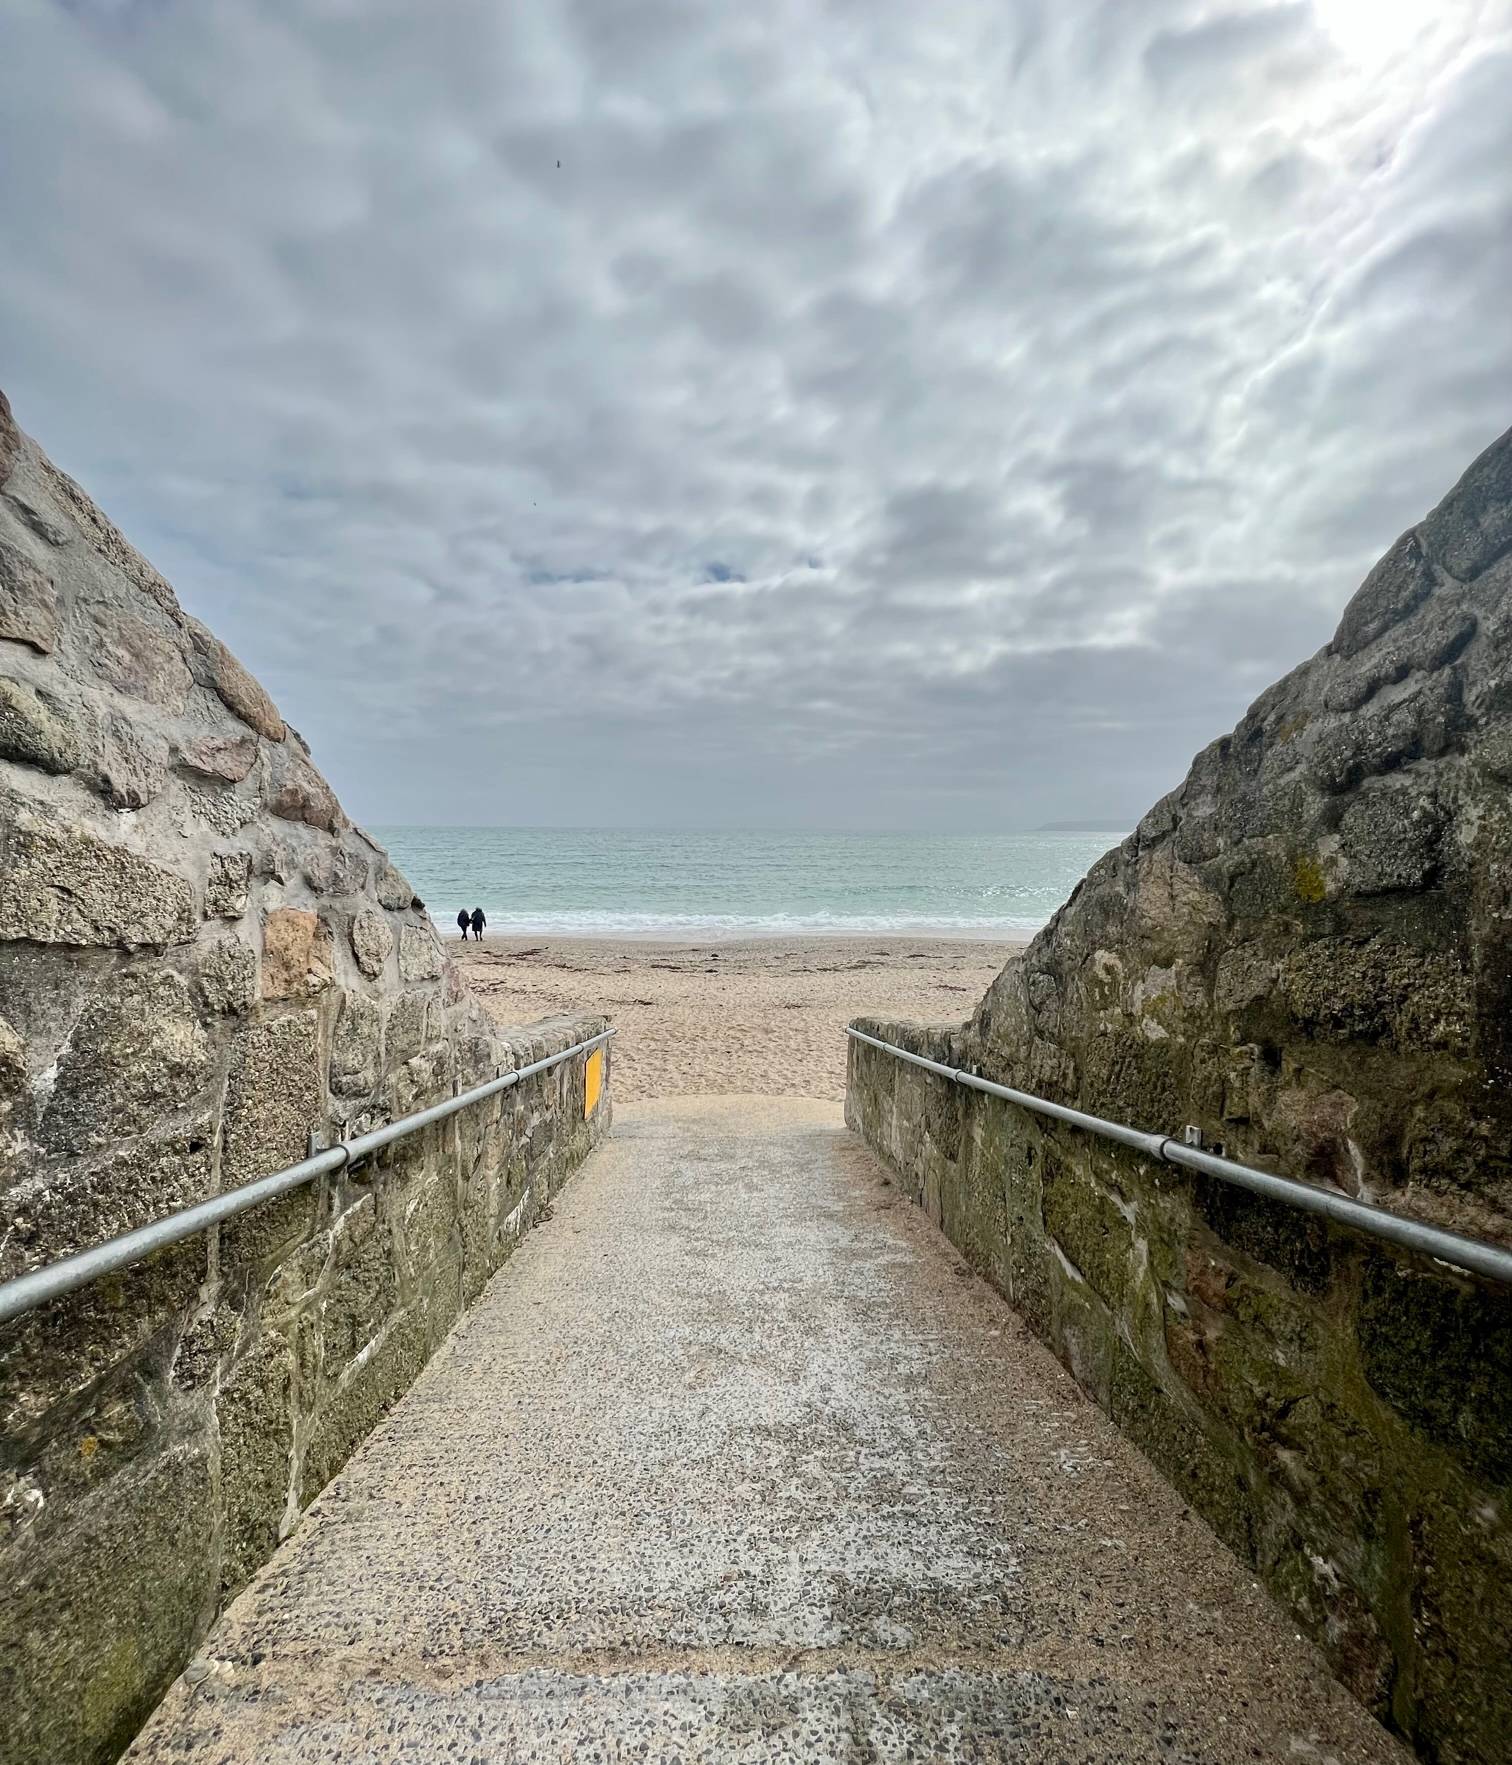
(197, 963)
(1306, 951)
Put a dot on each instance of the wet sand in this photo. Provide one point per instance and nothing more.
(765, 1016)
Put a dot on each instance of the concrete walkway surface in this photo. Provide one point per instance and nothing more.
(736, 1461)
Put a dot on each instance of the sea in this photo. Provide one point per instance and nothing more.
(631, 883)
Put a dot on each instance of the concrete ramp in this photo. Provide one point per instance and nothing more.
(736, 1461)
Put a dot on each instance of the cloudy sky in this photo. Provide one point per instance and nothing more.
(859, 413)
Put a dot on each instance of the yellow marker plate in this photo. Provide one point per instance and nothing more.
(593, 1081)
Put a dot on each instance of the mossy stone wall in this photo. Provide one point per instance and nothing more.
(1306, 951)
(202, 962)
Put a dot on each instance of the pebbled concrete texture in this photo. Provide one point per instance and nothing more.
(739, 1462)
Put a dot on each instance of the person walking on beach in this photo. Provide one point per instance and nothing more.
(478, 922)
(463, 921)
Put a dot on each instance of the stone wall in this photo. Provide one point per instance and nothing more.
(1306, 950)
(202, 961)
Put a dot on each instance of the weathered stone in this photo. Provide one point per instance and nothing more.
(331, 869)
(1472, 527)
(12, 1063)
(138, 658)
(1494, 753)
(1315, 1135)
(418, 1083)
(64, 886)
(1331, 997)
(1390, 837)
(133, 1087)
(353, 1411)
(256, 1415)
(132, 1574)
(228, 757)
(1461, 1711)
(441, 1018)
(357, 1047)
(86, 1201)
(276, 858)
(1419, 720)
(1435, 1132)
(137, 1054)
(218, 669)
(1176, 913)
(419, 954)
(1434, 640)
(223, 811)
(393, 887)
(1441, 1356)
(1395, 588)
(1086, 1221)
(360, 1288)
(43, 995)
(28, 602)
(227, 976)
(1296, 1245)
(1245, 975)
(299, 793)
(227, 885)
(296, 954)
(105, 539)
(209, 1340)
(274, 1096)
(44, 525)
(71, 1467)
(53, 1360)
(133, 764)
(34, 729)
(1379, 991)
(10, 439)
(372, 941)
(406, 1028)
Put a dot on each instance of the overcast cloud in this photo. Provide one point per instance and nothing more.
(866, 413)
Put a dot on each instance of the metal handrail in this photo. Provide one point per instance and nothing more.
(71, 1272)
(1472, 1254)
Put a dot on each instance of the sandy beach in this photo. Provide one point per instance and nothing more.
(763, 1016)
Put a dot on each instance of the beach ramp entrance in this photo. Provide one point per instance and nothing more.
(740, 1462)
